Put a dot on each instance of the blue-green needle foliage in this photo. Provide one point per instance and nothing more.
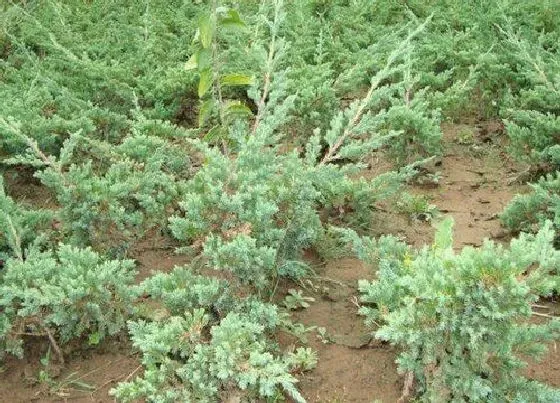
(244, 128)
(203, 345)
(109, 195)
(532, 114)
(533, 126)
(529, 212)
(20, 227)
(462, 320)
(67, 294)
(69, 66)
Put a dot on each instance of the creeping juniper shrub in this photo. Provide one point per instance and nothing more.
(20, 227)
(64, 294)
(207, 342)
(89, 69)
(529, 212)
(532, 122)
(463, 319)
(110, 194)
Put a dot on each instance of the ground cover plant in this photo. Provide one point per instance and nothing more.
(459, 317)
(204, 342)
(64, 294)
(252, 136)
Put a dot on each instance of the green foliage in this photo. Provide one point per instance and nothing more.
(395, 102)
(19, 227)
(110, 195)
(254, 213)
(205, 60)
(417, 207)
(198, 353)
(90, 68)
(248, 136)
(181, 291)
(233, 207)
(254, 209)
(462, 319)
(529, 212)
(339, 46)
(296, 300)
(533, 116)
(303, 359)
(532, 120)
(533, 125)
(67, 294)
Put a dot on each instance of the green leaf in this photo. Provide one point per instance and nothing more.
(235, 79)
(205, 111)
(205, 82)
(232, 20)
(444, 234)
(94, 338)
(215, 133)
(206, 30)
(192, 63)
(204, 59)
(196, 37)
(237, 109)
(46, 358)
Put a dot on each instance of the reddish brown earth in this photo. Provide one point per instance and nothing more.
(87, 376)
(350, 369)
(474, 187)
